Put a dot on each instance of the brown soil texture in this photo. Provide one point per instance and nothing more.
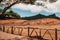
(19, 22)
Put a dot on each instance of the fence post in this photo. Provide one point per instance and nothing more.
(40, 32)
(28, 30)
(3, 28)
(56, 36)
(12, 30)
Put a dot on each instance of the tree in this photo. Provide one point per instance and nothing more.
(14, 14)
(1, 1)
(11, 14)
(31, 1)
(6, 8)
(0, 10)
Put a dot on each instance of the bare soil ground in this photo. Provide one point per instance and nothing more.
(19, 22)
(39, 23)
(6, 36)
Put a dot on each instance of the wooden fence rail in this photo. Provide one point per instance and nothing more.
(30, 31)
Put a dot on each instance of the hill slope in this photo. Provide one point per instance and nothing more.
(39, 16)
(44, 21)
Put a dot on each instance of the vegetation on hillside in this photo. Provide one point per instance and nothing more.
(0, 10)
(39, 16)
(10, 15)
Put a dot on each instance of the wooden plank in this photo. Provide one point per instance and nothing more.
(56, 36)
(3, 28)
(12, 32)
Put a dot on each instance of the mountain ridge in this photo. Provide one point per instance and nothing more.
(40, 16)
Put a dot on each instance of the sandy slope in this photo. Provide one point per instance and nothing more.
(4, 35)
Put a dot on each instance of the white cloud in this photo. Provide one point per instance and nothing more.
(35, 8)
(32, 8)
(50, 7)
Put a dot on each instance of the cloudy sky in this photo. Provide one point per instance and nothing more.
(26, 10)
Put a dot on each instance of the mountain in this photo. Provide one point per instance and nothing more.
(53, 16)
(39, 16)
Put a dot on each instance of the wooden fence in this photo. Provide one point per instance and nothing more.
(53, 33)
